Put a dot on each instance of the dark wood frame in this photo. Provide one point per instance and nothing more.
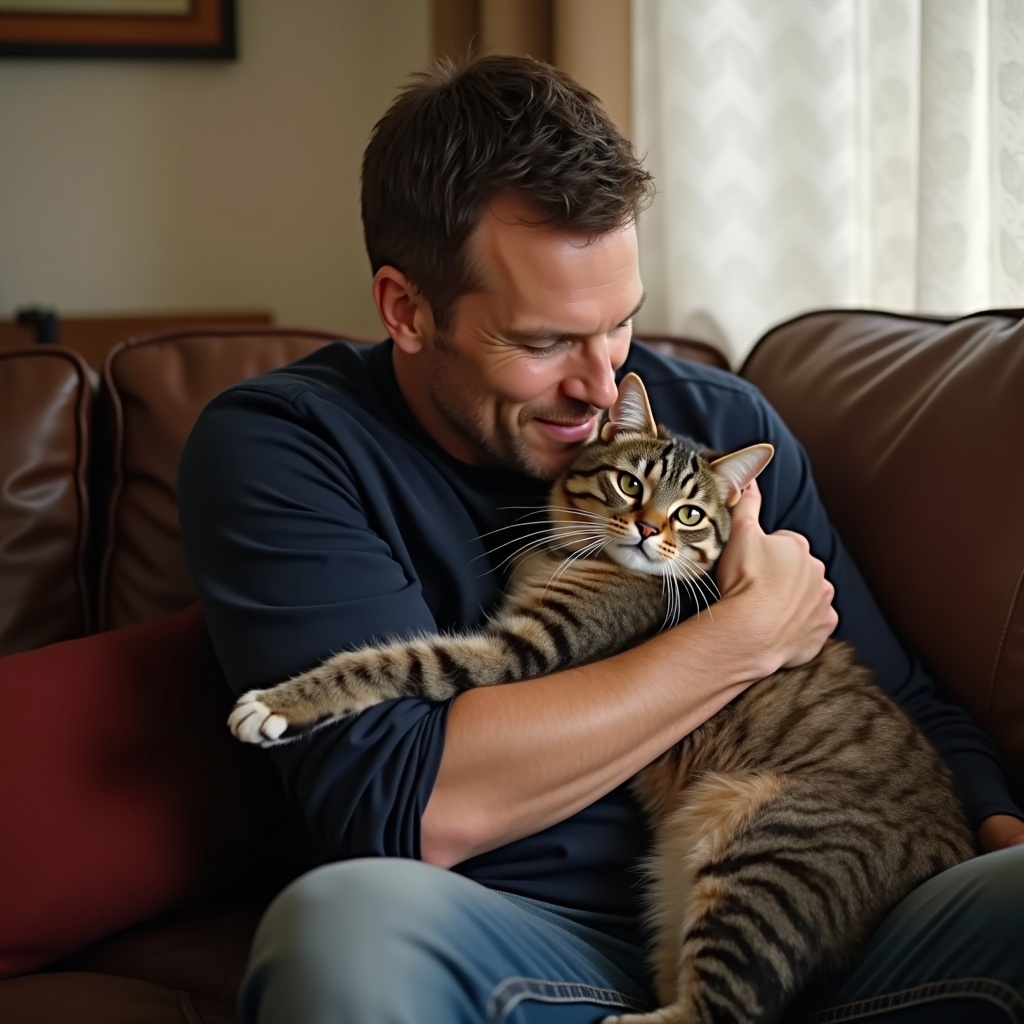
(207, 32)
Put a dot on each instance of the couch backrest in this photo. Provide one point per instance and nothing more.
(46, 399)
(914, 427)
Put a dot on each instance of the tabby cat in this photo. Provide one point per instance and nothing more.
(785, 826)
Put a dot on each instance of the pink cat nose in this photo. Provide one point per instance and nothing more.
(646, 529)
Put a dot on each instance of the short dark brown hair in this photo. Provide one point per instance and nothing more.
(457, 137)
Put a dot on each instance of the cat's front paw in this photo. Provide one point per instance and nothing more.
(252, 720)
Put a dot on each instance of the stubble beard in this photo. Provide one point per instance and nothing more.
(459, 406)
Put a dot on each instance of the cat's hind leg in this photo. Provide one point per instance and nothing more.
(709, 941)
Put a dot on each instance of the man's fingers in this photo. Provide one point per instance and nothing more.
(800, 539)
(749, 505)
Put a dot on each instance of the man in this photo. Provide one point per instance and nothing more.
(479, 856)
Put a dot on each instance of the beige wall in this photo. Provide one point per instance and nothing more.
(148, 186)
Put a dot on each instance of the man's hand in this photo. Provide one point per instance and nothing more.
(789, 600)
(999, 831)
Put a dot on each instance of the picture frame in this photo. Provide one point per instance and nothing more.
(182, 29)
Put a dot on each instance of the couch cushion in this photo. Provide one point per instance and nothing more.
(78, 998)
(45, 405)
(153, 389)
(914, 426)
(202, 952)
(132, 797)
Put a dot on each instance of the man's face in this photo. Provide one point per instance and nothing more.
(528, 364)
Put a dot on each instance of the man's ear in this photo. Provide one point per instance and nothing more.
(404, 312)
(736, 470)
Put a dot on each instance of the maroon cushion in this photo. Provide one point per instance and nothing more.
(124, 794)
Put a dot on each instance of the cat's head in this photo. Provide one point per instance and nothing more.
(649, 501)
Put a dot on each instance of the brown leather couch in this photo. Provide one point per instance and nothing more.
(139, 843)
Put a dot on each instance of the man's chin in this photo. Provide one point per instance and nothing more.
(548, 465)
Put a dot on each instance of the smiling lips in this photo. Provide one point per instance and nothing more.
(567, 433)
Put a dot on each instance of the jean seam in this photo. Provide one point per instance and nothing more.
(512, 991)
(989, 989)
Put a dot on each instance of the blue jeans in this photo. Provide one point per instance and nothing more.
(389, 941)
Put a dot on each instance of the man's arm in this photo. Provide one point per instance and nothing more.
(289, 570)
(519, 758)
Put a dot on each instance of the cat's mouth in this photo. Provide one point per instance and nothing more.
(637, 558)
(640, 546)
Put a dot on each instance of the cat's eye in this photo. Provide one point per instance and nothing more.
(689, 515)
(629, 485)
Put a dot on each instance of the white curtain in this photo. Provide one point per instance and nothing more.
(813, 153)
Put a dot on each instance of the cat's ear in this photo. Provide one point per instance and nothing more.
(631, 411)
(736, 470)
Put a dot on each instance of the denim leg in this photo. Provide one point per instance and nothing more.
(390, 941)
(952, 952)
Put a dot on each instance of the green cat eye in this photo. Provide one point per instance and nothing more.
(629, 485)
(689, 515)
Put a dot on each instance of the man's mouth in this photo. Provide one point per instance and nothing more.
(568, 432)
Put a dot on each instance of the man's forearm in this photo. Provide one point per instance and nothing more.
(522, 757)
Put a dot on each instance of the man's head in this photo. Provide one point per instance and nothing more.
(459, 137)
(499, 205)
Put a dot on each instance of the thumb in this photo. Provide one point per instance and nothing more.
(749, 506)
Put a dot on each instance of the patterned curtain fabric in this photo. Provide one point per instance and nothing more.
(811, 153)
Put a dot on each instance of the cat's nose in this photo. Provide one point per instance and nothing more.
(646, 529)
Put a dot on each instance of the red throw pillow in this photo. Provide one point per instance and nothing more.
(123, 793)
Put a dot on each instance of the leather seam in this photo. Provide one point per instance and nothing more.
(1001, 646)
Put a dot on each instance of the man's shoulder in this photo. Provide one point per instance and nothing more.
(337, 384)
(706, 402)
(342, 368)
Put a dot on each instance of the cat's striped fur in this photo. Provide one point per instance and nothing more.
(785, 827)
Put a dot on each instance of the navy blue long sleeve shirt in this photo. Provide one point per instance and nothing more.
(317, 515)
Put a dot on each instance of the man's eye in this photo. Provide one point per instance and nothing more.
(544, 348)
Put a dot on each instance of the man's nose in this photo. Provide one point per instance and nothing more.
(593, 379)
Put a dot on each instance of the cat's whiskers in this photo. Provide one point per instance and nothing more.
(591, 549)
(554, 537)
(682, 575)
(702, 577)
(552, 508)
(673, 602)
(691, 575)
(550, 529)
(579, 516)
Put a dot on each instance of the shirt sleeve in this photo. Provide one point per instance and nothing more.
(290, 568)
(791, 502)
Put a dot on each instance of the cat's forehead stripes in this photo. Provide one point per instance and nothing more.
(586, 485)
(589, 482)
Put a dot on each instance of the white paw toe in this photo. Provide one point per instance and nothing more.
(251, 721)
